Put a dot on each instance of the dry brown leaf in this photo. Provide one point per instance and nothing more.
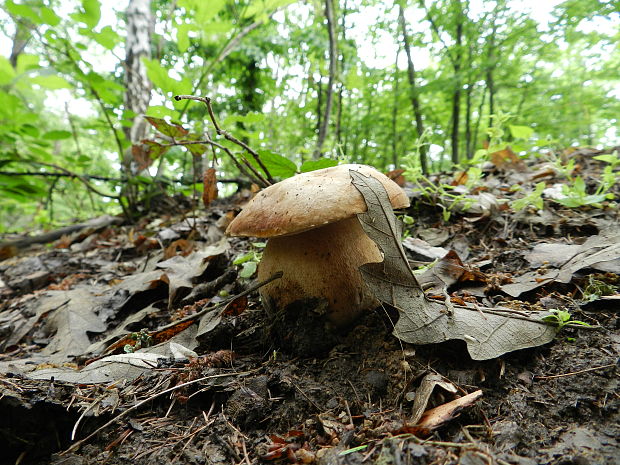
(209, 182)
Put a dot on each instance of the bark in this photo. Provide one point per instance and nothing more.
(490, 83)
(456, 96)
(468, 93)
(137, 84)
(395, 112)
(333, 57)
(415, 102)
(343, 30)
(477, 127)
(20, 40)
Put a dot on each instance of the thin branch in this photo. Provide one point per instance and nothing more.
(71, 174)
(256, 176)
(227, 135)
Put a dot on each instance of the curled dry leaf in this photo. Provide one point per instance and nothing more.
(209, 182)
(488, 333)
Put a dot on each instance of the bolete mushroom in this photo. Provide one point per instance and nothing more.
(315, 239)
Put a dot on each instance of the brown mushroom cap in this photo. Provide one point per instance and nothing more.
(309, 200)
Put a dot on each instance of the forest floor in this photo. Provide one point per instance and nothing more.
(232, 389)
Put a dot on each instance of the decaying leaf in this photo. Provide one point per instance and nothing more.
(600, 252)
(181, 271)
(488, 333)
(209, 182)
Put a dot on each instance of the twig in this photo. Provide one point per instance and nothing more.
(258, 177)
(206, 310)
(227, 135)
(573, 373)
(79, 443)
(81, 178)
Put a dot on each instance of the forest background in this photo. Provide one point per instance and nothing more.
(421, 85)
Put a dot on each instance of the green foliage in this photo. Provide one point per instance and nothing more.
(534, 199)
(265, 66)
(595, 288)
(249, 261)
(562, 318)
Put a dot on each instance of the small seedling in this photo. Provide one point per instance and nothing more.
(249, 261)
(562, 318)
(142, 338)
(534, 199)
(595, 288)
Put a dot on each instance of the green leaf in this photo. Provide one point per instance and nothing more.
(249, 118)
(167, 129)
(608, 158)
(26, 62)
(161, 111)
(248, 270)
(49, 17)
(312, 165)
(244, 258)
(277, 165)
(24, 11)
(264, 7)
(183, 36)
(52, 82)
(91, 13)
(521, 132)
(7, 73)
(158, 75)
(107, 38)
(57, 135)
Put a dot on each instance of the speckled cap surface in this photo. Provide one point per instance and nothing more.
(309, 200)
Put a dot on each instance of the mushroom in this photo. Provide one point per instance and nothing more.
(316, 240)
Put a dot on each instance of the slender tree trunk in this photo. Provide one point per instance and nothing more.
(471, 85)
(23, 32)
(417, 111)
(343, 31)
(468, 141)
(477, 127)
(137, 84)
(490, 83)
(395, 112)
(456, 96)
(319, 103)
(333, 57)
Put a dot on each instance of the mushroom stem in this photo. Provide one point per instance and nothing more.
(321, 263)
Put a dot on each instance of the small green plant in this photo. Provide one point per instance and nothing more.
(142, 338)
(576, 194)
(534, 199)
(407, 221)
(249, 261)
(562, 318)
(595, 288)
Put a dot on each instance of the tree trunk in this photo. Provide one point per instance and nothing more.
(343, 39)
(137, 84)
(20, 40)
(489, 75)
(333, 57)
(456, 96)
(477, 127)
(395, 112)
(415, 103)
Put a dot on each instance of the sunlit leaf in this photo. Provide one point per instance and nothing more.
(167, 129)
(277, 165)
(52, 82)
(57, 135)
(521, 132)
(312, 165)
